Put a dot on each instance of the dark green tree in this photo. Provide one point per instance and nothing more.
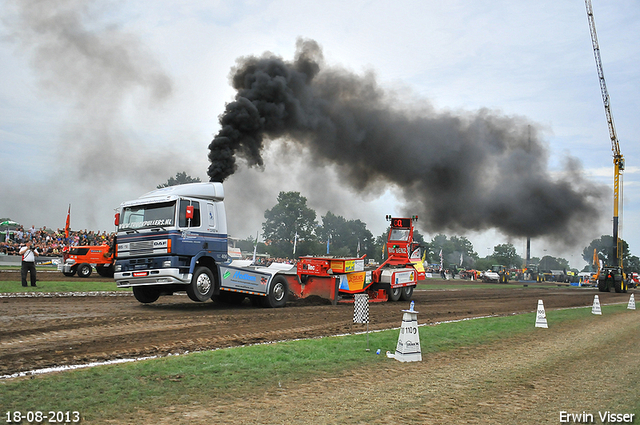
(552, 263)
(632, 264)
(345, 236)
(181, 178)
(379, 253)
(290, 216)
(438, 243)
(485, 263)
(452, 250)
(604, 250)
(505, 254)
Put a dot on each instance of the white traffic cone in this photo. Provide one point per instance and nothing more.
(541, 317)
(408, 348)
(632, 303)
(596, 306)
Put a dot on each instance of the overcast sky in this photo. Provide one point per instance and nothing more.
(102, 101)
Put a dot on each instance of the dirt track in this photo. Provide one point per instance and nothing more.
(38, 332)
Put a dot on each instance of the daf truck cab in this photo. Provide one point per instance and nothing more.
(171, 240)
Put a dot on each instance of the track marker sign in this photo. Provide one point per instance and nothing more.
(541, 317)
(596, 306)
(408, 348)
(632, 303)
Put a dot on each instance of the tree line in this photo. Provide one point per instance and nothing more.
(291, 229)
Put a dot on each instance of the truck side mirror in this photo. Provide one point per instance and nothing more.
(116, 220)
(189, 213)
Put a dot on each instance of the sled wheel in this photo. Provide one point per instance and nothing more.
(394, 294)
(406, 293)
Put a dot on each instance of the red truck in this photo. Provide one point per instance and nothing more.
(82, 260)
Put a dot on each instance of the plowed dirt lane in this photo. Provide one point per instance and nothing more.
(52, 331)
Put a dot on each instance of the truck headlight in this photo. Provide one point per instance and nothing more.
(166, 264)
(118, 268)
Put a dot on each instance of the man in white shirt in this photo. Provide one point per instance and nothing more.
(28, 263)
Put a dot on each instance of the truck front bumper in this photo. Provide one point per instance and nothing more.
(151, 277)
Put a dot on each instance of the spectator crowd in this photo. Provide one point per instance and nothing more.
(51, 243)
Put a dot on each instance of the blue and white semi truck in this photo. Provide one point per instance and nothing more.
(175, 239)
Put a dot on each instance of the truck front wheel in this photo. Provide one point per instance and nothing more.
(201, 287)
(278, 293)
(146, 294)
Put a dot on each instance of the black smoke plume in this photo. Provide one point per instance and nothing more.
(458, 171)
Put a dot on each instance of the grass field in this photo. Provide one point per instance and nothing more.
(109, 391)
(78, 285)
(72, 284)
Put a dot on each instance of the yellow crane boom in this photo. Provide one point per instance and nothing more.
(618, 159)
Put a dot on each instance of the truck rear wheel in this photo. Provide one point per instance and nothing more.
(84, 270)
(394, 294)
(406, 293)
(201, 287)
(146, 294)
(278, 293)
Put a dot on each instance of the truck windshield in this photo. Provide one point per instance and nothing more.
(399, 235)
(148, 216)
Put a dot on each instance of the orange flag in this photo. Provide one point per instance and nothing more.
(66, 227)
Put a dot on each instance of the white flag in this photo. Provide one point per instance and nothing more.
(255, 249)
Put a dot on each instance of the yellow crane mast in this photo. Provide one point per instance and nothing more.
(618, 159)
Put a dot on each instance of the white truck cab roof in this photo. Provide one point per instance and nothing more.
(211, 190)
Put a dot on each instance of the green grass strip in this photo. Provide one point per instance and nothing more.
(77, 285)
(110, 391)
